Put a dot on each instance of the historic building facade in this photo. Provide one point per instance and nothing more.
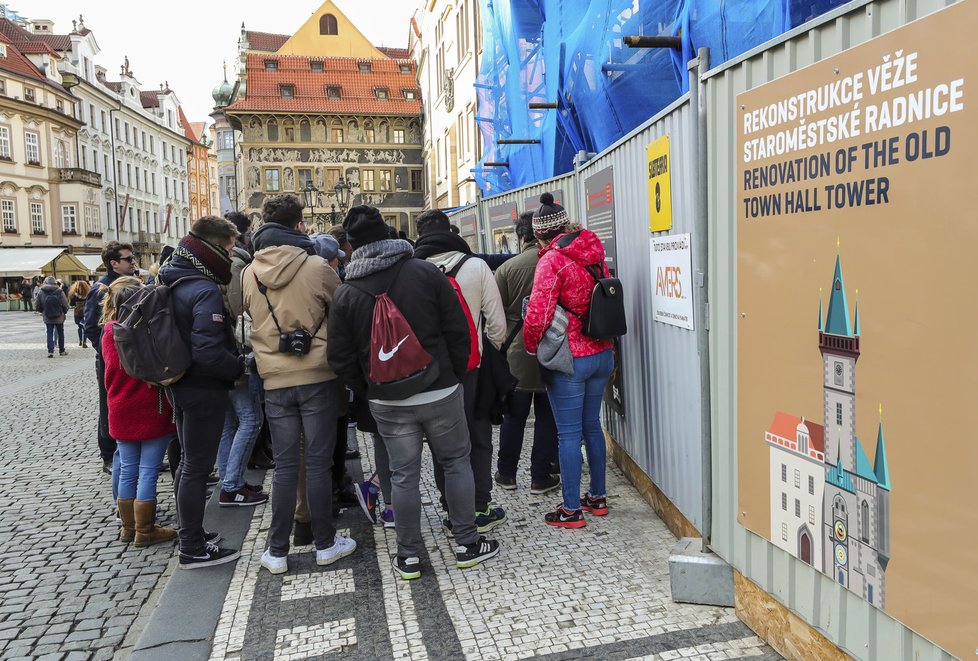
(446, 43)
(45, 196)
(130, 155)
(318, 120)
(198, 168)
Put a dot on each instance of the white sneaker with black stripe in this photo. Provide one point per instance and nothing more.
(469, 555)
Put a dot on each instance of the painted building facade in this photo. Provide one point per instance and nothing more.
(319, 119)
(830, 506)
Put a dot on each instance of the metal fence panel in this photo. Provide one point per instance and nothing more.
(847, 620)
(660, 364)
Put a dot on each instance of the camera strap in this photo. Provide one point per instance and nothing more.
(264, 292)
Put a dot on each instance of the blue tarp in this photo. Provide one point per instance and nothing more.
(571, 52)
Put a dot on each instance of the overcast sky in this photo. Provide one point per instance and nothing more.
(185, 41)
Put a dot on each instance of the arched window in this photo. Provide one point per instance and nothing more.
(272, 130)
(327, 24)
(864, 522)
(305, 132)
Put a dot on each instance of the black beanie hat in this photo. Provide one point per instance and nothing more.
(364, 224)
(550, 218)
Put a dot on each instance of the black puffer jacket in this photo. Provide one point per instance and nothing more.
(198, 308)
(429, 304)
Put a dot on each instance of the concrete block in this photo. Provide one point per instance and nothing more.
(699, 578)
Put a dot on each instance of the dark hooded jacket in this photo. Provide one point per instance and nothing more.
(55, 292)
(198, 309)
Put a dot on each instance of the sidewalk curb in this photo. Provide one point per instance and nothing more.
(182, 624)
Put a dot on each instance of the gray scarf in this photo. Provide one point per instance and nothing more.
(377, 256)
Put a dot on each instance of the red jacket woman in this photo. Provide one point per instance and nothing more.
(562, 278)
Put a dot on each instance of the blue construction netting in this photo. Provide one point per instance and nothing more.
(571, 52)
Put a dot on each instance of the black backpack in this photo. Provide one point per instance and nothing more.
(605, 318)
(51, 304)
(149, 343)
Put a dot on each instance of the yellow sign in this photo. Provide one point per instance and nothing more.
(660, 186)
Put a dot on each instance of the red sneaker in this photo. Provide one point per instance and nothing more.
(596, 506)
(562, 518)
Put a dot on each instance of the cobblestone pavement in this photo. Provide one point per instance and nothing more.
(601, 592)
(68, 589)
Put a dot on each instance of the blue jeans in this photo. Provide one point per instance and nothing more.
(139, 466)
(59, 331)
(241, 426)
(576, 402)
(115, 473)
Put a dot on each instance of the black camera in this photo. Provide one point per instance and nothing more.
(297, 343)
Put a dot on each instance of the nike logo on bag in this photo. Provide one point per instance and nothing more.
(387, 355)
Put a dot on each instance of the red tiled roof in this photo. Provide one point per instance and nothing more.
(266, 41)
(16, 62)
(149, 99)
(114, 86)
(60, 42)
(395, 53)
(357, 93)
(36, 47)
(785, 426)
(198, 130)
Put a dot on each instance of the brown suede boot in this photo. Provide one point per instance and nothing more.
(147, 532)
(127, 530)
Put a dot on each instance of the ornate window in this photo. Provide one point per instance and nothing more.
(398, 136)
(272, 130)
(5, 152)
(33, 149)
(328, 25)
(37, 218)
(272, 184)
(8, 210)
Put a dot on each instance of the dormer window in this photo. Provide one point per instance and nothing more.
(29, 94)
(3, 50)
(332, 92)
(316, 67)
(410, 94)
(60, 105)
(287, 91)
(3, 87)
(364, 67)
(405, 69)
(381, 93)
(271, 65)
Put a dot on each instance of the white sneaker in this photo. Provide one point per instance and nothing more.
(273, 563)
(342, 547)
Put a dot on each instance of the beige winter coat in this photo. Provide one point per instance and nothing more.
(300, 289)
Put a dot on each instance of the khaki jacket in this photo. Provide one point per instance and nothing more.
(515, 281)
(300, 289)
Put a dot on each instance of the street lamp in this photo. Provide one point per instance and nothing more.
(312, 197)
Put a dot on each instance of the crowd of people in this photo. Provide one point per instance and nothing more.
(310, 335)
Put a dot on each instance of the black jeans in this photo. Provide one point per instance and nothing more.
(199, 427)
(106, 444)
(544, 449)
(480, 455)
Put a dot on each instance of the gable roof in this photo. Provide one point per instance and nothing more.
(150, 99)
(266, 41)
(357, 90)
(60, 42)
(197, 128)
(786, 426)
(16, 62)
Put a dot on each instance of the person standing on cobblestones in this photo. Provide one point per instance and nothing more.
(515, 281)
(245, 414)
(27, 295)
(53, 305)
(203, 257)
(562, 277)
(431, 308)
(77, 296)
(119, 260)
(288, 289)
(449, 252)
(141, 421)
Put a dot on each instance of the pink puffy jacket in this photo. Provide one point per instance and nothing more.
(561, 278)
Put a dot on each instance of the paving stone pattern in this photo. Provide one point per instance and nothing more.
(68, 588)
(601, 593)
